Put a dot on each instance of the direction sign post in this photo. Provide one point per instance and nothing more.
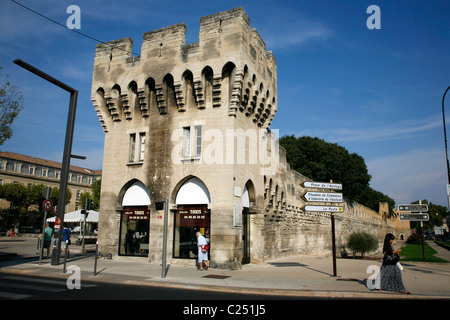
(413, 207)
(335, 197)
(322, 197)
(323, 208)
(414, 216)
(417, 212)
(322, 185)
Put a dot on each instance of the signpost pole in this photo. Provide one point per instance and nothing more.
(417, 212)
(423, 241)
(46, 193)
(333, 241)
(164, 253)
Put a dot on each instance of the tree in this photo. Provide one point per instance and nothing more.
(436, 213)
(11, 103)
(323, 161)
(362, 242)
(96, 191)
(21, 198)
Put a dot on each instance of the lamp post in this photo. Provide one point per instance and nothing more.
(67, 151)
(446, 152)
(445, 135)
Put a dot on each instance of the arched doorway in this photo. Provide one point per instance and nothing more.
(135, 221)
(192, 216)
(248, 198)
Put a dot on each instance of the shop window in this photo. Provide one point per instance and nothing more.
(134, 232)
(188, 221)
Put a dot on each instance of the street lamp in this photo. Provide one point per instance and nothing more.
(445, 135)
(446, 152)
(67, 151)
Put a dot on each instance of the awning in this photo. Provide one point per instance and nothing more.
(77, 216)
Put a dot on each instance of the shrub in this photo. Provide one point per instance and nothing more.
(414, 239)
(362, 242)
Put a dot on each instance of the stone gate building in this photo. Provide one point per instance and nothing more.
(191, 123)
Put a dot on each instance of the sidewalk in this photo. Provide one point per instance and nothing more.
(299, 276)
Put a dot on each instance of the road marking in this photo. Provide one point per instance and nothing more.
(29, 287)
(13, 296)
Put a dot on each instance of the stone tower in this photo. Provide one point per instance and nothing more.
(180, 122)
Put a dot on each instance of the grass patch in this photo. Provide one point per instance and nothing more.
(413, 252)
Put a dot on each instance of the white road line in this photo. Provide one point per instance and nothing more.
(13, 296)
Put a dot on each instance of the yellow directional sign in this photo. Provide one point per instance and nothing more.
(323, 208)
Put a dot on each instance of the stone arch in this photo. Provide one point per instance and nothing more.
(134, 231)
(228, 76)
(134, 193)
(130, 101)
(150, 95)
(169, 92)
(114, 103)
(101, 108)
(192, 191)
(207, 82)
(188, 89)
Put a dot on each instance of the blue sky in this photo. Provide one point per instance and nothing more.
(377, 92)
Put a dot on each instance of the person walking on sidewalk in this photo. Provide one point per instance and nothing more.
(48, 233)
(391, 274)
(65, 241)
(202, 251)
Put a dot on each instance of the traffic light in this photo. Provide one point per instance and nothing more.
(89, 204)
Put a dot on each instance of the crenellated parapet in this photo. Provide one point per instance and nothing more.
(228, 68)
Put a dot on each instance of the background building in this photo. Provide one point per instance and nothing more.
(19, 168)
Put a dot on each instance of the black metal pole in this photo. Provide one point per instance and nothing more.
(95, 258)
(333, 240)
(56, 252)
(445, 135)
(164, 253)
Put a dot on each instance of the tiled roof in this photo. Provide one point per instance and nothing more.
(47, 163)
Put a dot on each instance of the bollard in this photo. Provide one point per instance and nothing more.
(65, 256)
(95, 259)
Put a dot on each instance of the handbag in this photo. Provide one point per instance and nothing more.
(205, 248)
(391, 259)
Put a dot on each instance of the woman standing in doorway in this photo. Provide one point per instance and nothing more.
(391, 274)
(202, 251)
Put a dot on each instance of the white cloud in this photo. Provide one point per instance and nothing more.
(370, 131)
(416, 175)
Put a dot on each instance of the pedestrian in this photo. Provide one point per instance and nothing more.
(48, 233)
(202, 251)
(11, 233)
(391, 274)
(65, 240)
